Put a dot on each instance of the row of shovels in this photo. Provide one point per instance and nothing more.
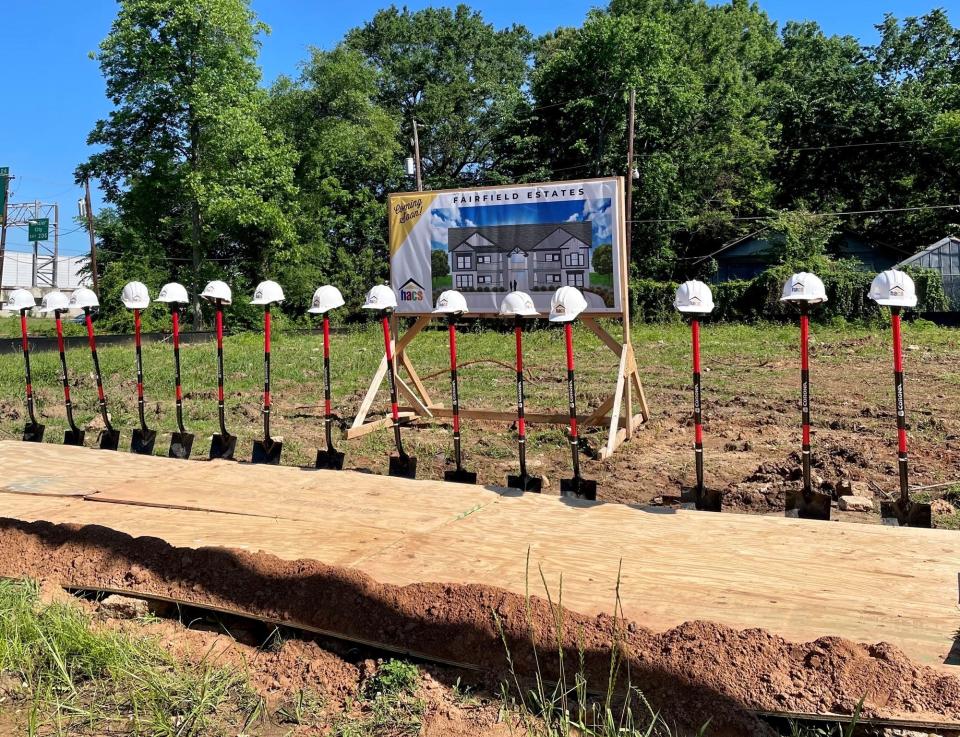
(223, 444)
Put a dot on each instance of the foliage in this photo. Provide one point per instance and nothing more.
(439, 263)
(603, 259)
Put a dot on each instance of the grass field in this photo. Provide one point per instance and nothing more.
(750, 396)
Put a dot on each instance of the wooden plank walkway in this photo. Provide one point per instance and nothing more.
(799, 579)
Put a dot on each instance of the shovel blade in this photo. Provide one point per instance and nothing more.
(143, 441)
(705, 500)
(906, 514)
(403, 466)
(578, 488)
(459, 476)
(109, 440)
(813, 505)
(33, 433)
(181, 443)
(223, 447)
(525, 483)
(73, 437)
(331, 458)
(266, 451)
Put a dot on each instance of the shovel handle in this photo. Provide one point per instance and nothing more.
(572, 399)
(26, 365)
(266, 373)
(454, 389)
(220, 407)
(394, 407)
(139, 354)
(65, 374)
(697, 415)
(805, 396)
(101, 396)
(175, 316)
(521, 419)
(901, 405)
(327, 404)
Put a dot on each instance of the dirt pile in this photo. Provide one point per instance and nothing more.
(691, 673)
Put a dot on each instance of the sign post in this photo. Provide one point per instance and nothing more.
(488, 241)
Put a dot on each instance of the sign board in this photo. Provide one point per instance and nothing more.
(488, 241)
(4, 171)
(38, 230)
(4, 174)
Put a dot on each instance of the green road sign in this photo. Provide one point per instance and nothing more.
(38, 230)
(4, 174)
(4, 171)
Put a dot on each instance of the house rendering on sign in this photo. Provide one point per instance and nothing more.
(524, 257)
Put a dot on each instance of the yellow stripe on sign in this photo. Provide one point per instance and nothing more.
(405, 212)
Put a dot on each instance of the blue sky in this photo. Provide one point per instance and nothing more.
(54, 93)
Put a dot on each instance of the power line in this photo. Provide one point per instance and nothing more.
(814, 214)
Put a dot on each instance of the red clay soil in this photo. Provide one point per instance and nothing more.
(692, 673)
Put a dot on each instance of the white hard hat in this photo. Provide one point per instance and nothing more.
(518, 304)
(893, 288)
(217, 290)
(174, 293)
(694, 297)
(567, 303)
(381, 297)
(326, 298)
(54, 301)
(20, 299)
(84, 298)
(804, 287)
(451, 302)
(267, 292)
(135, 296)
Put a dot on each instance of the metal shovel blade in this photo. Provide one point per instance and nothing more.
(109, 439)
(267, 451)
(906, 514)
(707, 500)
(181, 443)
(223, 447)
(525, 483)
(460, 476)
(73, 437)
(578, 488)
(143, 441)
(812, 505)
(33, 432)
(331, 458)
(403, 466)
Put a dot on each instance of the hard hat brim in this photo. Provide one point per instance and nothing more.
(893, 302)
(808, 300)
(690, 309)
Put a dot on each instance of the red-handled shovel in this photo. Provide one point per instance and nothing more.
(33, 430)
(181, 441)
(459, 474)
(143, 438)
(109, 436)
(268, 449)
(329, 457)
(73, 435)
(808, 504)
(577, 487)
(709, 500)
(524, 481)
(903, 511)
(400, 464)
(222, 444)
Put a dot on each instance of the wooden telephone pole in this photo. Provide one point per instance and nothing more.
(629, 194)
(416, 156)
(3, 220)
(88, 207)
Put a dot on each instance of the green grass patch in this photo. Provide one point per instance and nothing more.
(81, 679)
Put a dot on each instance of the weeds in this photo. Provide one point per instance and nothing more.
(391, 706)
(85, 680)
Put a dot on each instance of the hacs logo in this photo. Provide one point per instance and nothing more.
(411, 291)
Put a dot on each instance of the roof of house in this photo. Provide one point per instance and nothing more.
(930, 249)
(526, 237)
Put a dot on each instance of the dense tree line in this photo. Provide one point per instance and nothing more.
(739, 125)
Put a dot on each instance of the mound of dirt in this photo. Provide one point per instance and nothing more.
(691, 673)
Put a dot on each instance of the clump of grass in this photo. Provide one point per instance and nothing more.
(390, 705)
(82, 679)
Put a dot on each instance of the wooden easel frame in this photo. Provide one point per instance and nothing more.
(617, 408)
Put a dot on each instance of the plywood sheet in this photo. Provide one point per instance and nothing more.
(799, 579)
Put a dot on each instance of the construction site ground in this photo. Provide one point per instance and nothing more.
(723, 616)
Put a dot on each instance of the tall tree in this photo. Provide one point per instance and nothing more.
(185, 158)
(460, 78)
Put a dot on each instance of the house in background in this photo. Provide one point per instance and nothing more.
(521, 257)
(943, 256)
(749, 256)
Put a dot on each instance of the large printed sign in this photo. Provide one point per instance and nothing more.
(488, 241)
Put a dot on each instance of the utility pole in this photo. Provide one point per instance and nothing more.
(88, 206)
(416, 156)
(3, 219)
(629, 204)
